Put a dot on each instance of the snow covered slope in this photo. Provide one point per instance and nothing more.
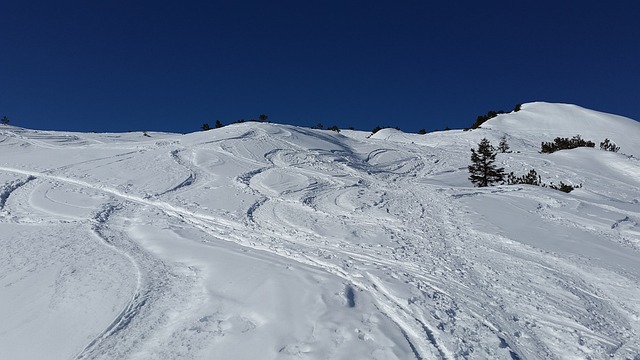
(262, 241)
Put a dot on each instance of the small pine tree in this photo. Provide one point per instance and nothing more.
(503, 146)
(334, 128)
(482, 171)
(5, 120)
(263, 117)
(205, 127)
(422, 131)
(218, 124)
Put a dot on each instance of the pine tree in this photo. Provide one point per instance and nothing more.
(482, 171)
(5, 120)
(503, 146)
(218, 124)
(205, 127)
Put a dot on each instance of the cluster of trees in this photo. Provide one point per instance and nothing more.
(335, 128)
(378, 128)
(532, 178)
(565, 144)
(484, 172)
(218, 124)
(481, 119)
(576, 142)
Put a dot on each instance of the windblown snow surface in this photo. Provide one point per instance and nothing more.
(263, 241)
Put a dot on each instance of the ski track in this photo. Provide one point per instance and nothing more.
(444, 302)
(190, 180)
(419, 335)
(134, 305)
(7, 189)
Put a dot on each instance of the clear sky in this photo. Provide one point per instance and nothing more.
(173, 65)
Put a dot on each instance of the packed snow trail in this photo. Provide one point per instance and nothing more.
(272, 241)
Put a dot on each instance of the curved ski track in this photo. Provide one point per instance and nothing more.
(444, 300)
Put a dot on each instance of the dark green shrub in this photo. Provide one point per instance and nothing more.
(482, 118)
(531, 178)
(565, 144)
(564, 187)
(607, 145)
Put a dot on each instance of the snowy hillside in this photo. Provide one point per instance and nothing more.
(262, 241)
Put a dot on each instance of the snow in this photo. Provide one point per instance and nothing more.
(265, 241)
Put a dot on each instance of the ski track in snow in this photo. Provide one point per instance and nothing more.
(7, 189)
(454, 285)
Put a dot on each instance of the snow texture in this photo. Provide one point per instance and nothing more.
(263, 241)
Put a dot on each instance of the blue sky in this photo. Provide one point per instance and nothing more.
(172, 66)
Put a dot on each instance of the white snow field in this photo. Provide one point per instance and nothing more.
(264, 241)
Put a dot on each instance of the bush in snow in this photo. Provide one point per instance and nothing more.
(482, 118)
(483, 172)
(564, 187)
(607, 145)
(531, 178)
(334, 128)
(5, 120)
(565, 144)
(378, 128)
